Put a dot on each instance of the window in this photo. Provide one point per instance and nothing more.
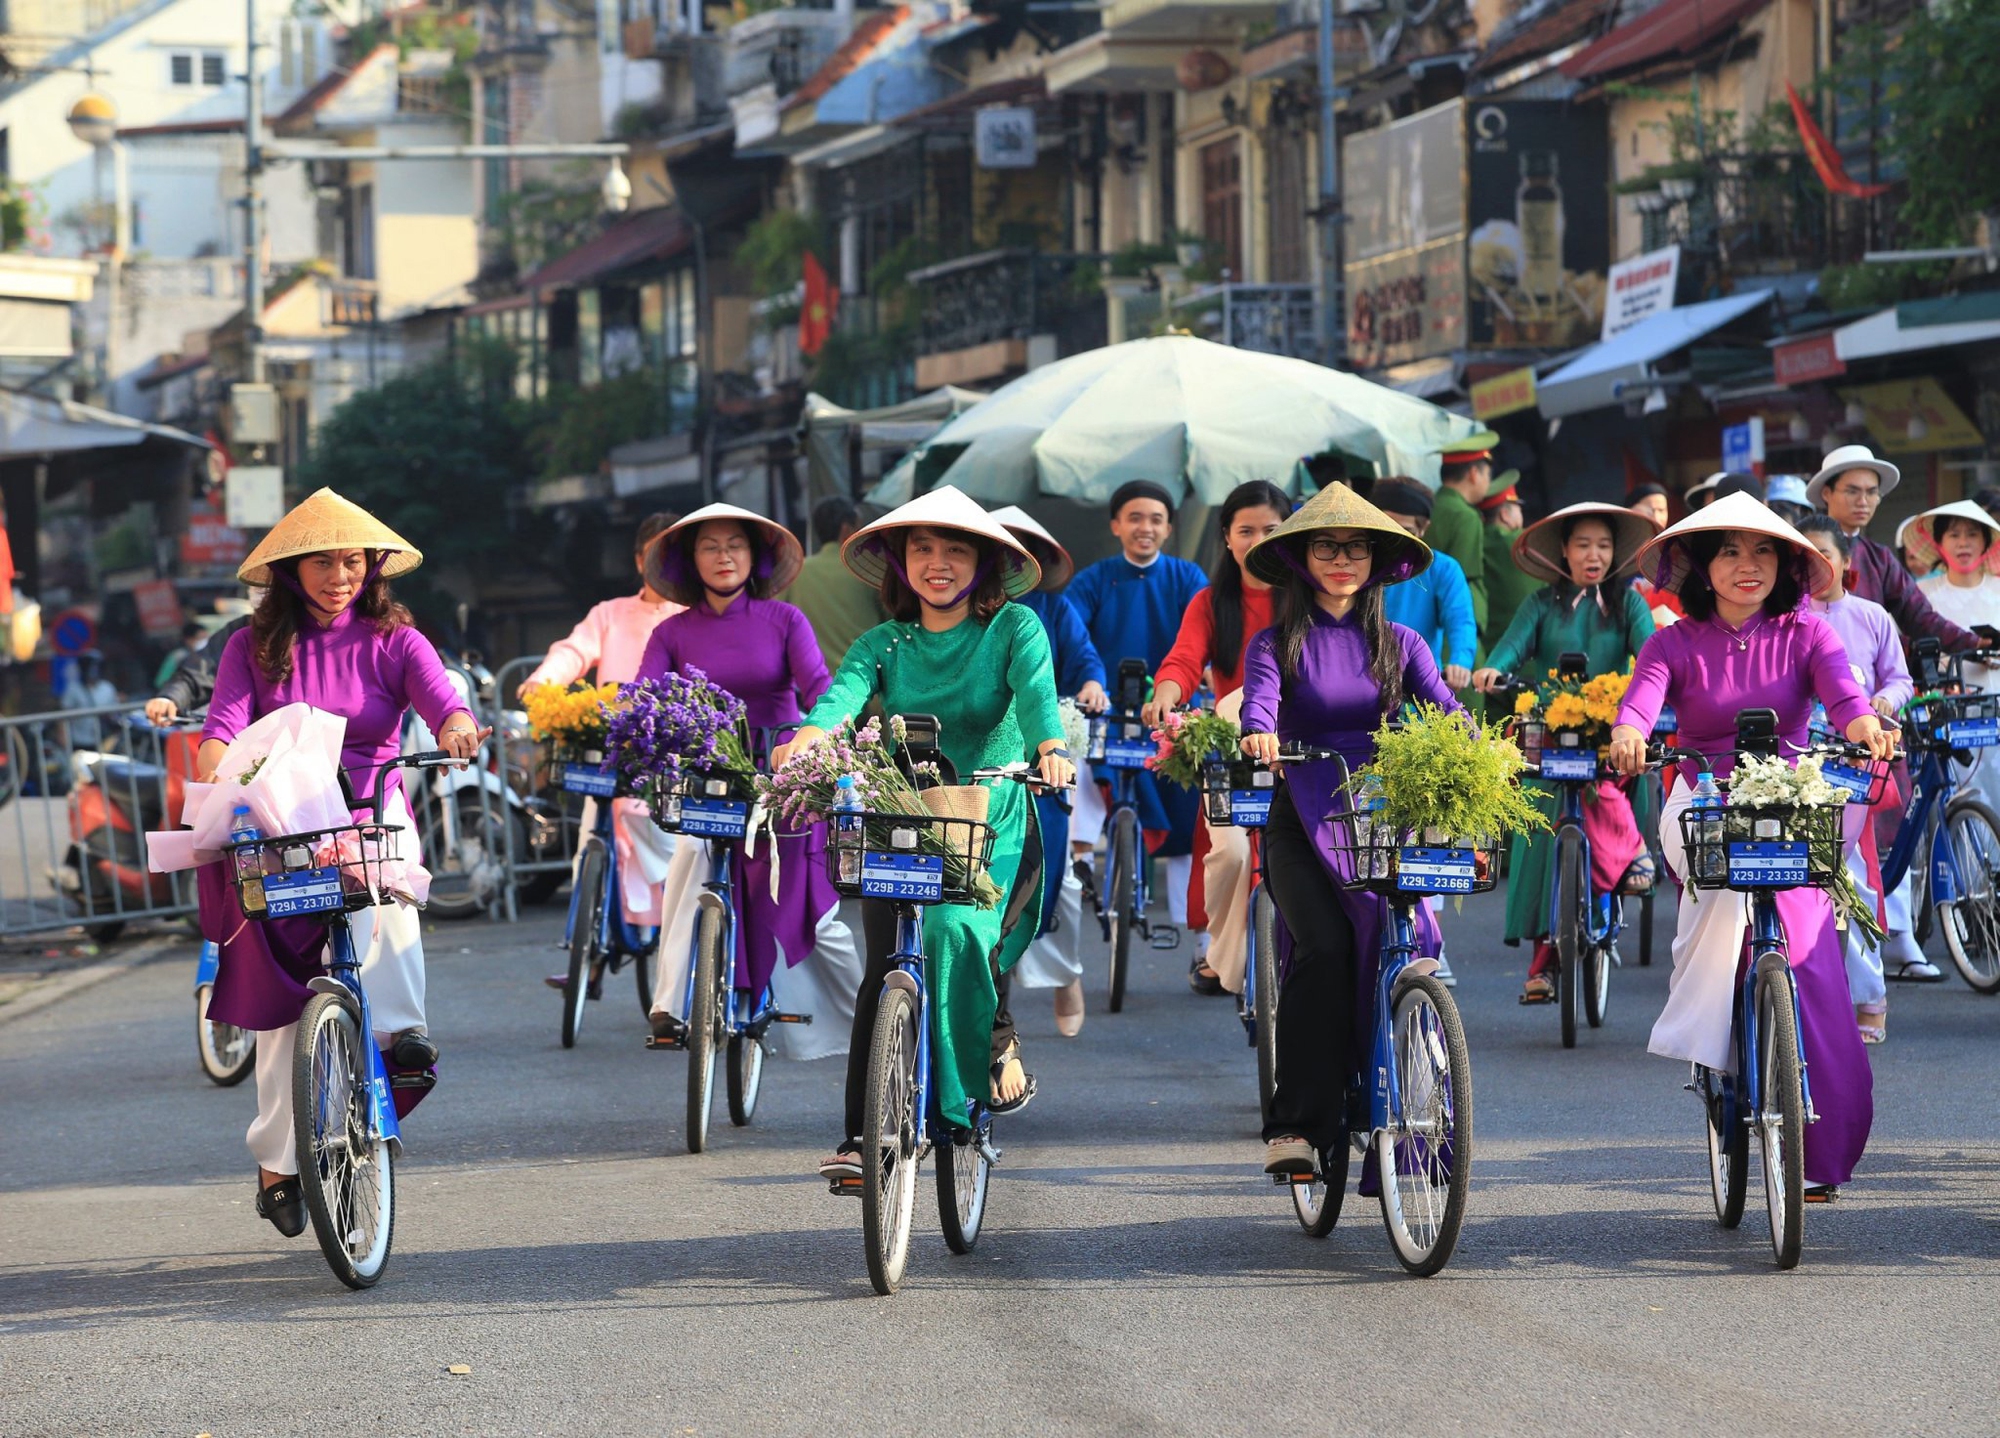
(211, 69)
(1222, 204)
(181, 68)
(184, 66)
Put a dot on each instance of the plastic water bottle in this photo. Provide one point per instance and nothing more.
(249, 862)
(1710, 862)
(847, 842)
(1370, 862)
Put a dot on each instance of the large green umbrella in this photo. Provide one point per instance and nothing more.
(1191, 414)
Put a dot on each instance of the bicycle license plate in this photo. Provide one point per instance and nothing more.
(1972, 733)
(1435, 871)
(1857, 782)
(918, 878)
(1776, 864)
(588, 779)
(1250, 808)
(303, 891)
(715, 818)
(1569, 764)
(1127, 753)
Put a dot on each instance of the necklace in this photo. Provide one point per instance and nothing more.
(1741, 636)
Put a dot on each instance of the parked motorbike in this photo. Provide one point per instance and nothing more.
(113, 800)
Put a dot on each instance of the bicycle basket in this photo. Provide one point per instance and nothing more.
(1780, 846)
(911, 858)
(705, 805)
(1963, 721)
(324, 871)
(1399, 863)
(1237, 792)
(582, 771)
(1125, 744)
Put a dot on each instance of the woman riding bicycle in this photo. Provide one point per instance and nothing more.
(1748, 641)
(1215, 631)
(1587, 550)
(327, 633)
(1327, 677)
(722, 562)
(954, 648)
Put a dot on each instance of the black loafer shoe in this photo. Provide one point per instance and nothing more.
(284, 1204)
(413, 1049)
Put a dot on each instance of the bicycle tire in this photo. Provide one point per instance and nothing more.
(1728, 1154)
(963, 1173)
(1422, 1229)
(586, 917)
(1920, 878)
(1316, 1205)
(350, 1196)
(743, 1070)
(704, 1024)
(1781, 1107)
(1596, 984)
(1569, 928)
(1264, 926)
(1971, 923)
(889, 1140)
(227, 1053)
(1124, 855)
(1646, 927)
(642, 970)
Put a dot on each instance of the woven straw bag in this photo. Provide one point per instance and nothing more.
(960, 801)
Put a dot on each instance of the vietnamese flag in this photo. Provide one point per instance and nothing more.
(1825, 159)
(822, 303)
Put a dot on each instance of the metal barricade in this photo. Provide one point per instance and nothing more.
(541, 847)
(79, 790)
(460, 817)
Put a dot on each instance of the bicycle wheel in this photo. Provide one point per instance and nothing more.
(586, 917)
(743, 1068)
(1728, 1154)
(889, 1140)
(642, 970)
(1971, 923)
(227, 1052)
(1646, 927)
(1425, 1155)
(1781, 1109)
(1124, 855)
(704, 1025)
(1569, 928)
(1317, 1204)
(1920, 880)
(1264, 924)
(1596, 984)
(962, 1174)
(345, 1165)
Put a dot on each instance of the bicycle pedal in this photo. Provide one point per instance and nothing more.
(791, 1018)
(844, 1187)
(673, 1045)
(421, 1082)
(1163, 936)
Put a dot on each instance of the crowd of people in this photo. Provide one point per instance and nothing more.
(1314, 625)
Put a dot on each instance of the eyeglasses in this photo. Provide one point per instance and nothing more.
(1328, 550)
(1855, 491)
(710, 549)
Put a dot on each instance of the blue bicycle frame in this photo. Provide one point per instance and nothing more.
(1765, 934)
(1604, 916)
(343, 975)
(208, 965)
(1124, 759)
(1932, 785)
(1398, 948)
(720, 890)
(616, 937)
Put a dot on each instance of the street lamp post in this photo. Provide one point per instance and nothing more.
(94, 120)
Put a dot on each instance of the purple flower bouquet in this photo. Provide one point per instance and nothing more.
(661, 730)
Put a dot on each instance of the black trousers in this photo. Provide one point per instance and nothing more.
(1317, 1001)
(878, 938)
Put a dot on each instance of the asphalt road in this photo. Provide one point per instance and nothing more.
(1137, 1274)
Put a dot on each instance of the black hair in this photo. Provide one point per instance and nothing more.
(1225, 581)
(651, 527)
(1698, 596)
(192, 630)
(1133, 489)
(683, 580)
(1738, 484)
(283, 613)
(1826, 524)
(1940, 523)
(1645, 491)
(989, 591)
(1293, 619)
(1452, 473)
(830, 516)
(1569, 527)
(1400, 494)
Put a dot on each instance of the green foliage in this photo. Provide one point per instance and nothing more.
(1132, 260)
(1449, 772)
(774, 249)
(546, 218)
(582, 426)
(1872, 287)
(1195, 740)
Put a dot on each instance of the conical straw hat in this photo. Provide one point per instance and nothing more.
(1668, 555)
(1057, 566)
(1398, 553)
(780, 545)
(325, 521)
(867, 550)
(1538, 550)
(1919, 532)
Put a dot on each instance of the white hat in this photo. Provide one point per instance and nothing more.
(781, 547)
(1851, 456)
(1707, 486)
(1921, 529)
(1732, 511)
(1057, 566)
(867, 554)
(1538, 548)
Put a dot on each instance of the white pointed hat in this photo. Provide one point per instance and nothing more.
(664, 565)
(1666, 554)
(1538, 549)
(1057, 566)
(868, 550)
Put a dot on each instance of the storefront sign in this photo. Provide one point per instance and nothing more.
(1892, 407)
(1538, 223)
(1407, 306)
(159, 607)
(210, 541)
(1640, 286)
(256, 496)
(1004, 138)
(1743, 445)
(1803, 361)
(1506, 393)
(1405, 273)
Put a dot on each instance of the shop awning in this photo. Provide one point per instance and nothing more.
(1591, 380)
(1882, 334)
(33, 424)
(1951, 310)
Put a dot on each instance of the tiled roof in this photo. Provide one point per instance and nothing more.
(327, 86)
(1677, 28)
(873, 29)
(653, 234)
(1557, 24)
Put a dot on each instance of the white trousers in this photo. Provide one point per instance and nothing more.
(1225, 878)
(1864, 959)
(1086, 809)
(1708, 941)
(391, 944)
(1053, 960)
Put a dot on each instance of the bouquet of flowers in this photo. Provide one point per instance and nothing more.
(1075, 726)
(1447, 777)
(1189, 740)
(1767, 782)
(1587, 705)
(570, 717)
(804, 790)
(660, 729)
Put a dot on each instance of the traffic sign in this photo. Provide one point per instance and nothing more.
(73, 632)
(1743, 445)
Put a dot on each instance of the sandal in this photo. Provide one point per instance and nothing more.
(1289, 1154)
(1822, 1193)
(1539, 989)
(1876, 1032)
(284, 1204)
(843, 1162)
(1202, 979)
(1640, 876)
(997, 1105)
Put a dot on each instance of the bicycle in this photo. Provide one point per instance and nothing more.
(1584, 921)
(882, 857)
(1120, 744)
(1758, 851)
(1419, 1107)
(597, 934)
(720, 809)
(343, 1109)
(1665, 729)
(227, 1053)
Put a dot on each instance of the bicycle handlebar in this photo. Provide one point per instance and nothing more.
(431, 759)
(1020, 773)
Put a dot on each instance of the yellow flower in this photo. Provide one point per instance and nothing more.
(1524, 702)
(1565, 711)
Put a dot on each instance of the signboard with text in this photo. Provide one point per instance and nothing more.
(209, 541)
(1802, 361)
(1640, 286)
(1405, 271)
(1507, 393)
(1004, 138)
(159, 605)
(1743, 445)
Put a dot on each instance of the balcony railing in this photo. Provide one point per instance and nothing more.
(1272, 319)
(1748, 214)
(1011, 294)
